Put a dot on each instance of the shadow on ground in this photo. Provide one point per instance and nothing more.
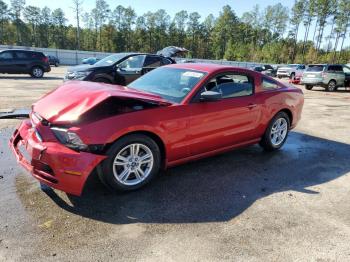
(25, 77)
(218, 188)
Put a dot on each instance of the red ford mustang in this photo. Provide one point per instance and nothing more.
(171, 115)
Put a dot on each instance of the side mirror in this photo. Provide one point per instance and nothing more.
(210, 96)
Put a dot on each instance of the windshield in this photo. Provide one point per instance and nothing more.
(110, 60)
(172, 84)
(315, 68)
(292, 66)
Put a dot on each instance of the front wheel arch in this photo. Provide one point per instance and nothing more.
(151, 135)
(288, 112)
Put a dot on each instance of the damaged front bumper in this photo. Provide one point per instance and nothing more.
(51, 162)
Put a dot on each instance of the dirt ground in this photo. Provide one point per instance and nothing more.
(246, 205)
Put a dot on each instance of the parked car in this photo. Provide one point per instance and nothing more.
(266, 70)
(53, 60)
(328, 76)
(290, 70)
(90, 60)
(121, 68)
(15, 61)
(174, 114)
(297, 78)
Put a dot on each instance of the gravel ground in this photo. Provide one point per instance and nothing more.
(246, 205)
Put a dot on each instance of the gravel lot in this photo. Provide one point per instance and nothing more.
(247, 205)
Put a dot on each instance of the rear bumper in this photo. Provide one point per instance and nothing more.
(296, 80)
(51, 162)
(47, 68)
(312, 81)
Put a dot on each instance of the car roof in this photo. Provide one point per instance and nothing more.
(325, 65)
(22, 50)
(208, 68)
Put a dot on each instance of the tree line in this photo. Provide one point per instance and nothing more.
(275, 34)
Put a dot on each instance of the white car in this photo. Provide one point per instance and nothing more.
(290, 70)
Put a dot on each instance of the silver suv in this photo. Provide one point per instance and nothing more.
(290, 70)
(328, 76)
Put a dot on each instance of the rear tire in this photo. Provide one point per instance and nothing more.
(276, 133)
(132, 162)
(332, 86)
(37, 72)
(308, 87)
(56, 64)
(292, 76)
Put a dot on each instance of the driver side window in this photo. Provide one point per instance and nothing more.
(6, 55)
(132, 62)
(231, 85)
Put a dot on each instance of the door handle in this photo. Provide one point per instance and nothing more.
(251, 106)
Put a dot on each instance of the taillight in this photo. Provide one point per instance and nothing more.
(45, 59)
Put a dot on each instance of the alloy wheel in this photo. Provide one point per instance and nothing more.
(37, 72)
(133, 164)
(279, 131)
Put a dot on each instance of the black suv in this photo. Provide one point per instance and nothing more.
(53, 60)
(24, 62)
(121, 68)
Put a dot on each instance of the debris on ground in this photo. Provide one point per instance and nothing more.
(14, 113)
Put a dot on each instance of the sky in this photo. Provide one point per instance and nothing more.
(203, 7)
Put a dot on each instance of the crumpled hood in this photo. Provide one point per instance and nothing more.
(69, 101)
(172, 51)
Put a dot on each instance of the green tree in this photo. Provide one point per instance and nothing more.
(17, 7)
(324, 10)
(32, 16)
(77, 9)
(180, 21)
(343, 24)
(3, 20)
(310, 9)
(298, 12)
(59, 31)
(193, 26)
(225, 29)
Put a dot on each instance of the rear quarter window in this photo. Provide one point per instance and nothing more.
(268, 84)
(37, 55)
(22, 55)
(335, 68)
(315, 68)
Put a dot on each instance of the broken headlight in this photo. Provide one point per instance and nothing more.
(69, 138)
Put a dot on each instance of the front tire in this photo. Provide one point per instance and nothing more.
(308, 87)
(332, 86)
(276, 133)
(37, 72)
(132, 162)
